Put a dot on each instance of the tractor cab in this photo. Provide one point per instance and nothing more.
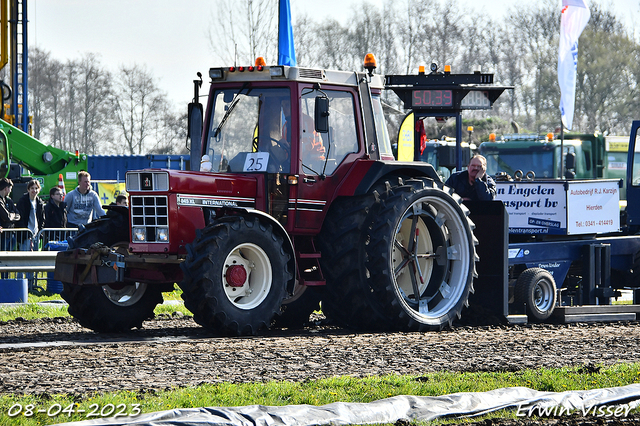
(297, 128)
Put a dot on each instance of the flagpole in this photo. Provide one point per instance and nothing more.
(561, 148)
(279, 28)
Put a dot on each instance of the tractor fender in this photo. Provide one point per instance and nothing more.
(286, 238)
(380, 169)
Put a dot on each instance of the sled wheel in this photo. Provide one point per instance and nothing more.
(536, 289)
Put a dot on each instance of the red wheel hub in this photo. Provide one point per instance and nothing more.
(236, 275)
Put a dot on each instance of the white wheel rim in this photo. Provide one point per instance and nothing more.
(415, 265)
(256, 287)
(125, 296)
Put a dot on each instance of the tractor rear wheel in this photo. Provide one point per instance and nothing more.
(235, 276)
(115, 307)
(298, 308)
(347, 297)
(421, 255)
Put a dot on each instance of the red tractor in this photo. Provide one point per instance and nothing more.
(293, 197)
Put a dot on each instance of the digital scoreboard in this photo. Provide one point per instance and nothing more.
(445, 93)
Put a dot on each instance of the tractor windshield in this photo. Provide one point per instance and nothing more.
(248, 130)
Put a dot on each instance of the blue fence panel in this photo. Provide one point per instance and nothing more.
(114, 167)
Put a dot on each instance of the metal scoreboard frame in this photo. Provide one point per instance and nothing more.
(445, 95)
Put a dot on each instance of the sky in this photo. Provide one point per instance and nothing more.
(170, 37)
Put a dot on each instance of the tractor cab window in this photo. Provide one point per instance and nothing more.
(321, 153)
(250, 130)
(384, 142)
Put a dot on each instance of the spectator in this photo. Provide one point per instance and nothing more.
(83, 203)
(473, 184)
(9, 214)
(55, 211)
(31, 208)
(121, 200)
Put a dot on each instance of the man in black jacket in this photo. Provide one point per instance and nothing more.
(9, 215)
(31, 208)
(55, 211)
(473, 184)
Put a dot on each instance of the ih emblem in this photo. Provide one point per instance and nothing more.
(147, 181)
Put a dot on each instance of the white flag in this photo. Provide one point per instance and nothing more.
(575, 15)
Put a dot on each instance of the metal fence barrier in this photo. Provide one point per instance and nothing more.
(28, 261)
(54, 234)
(22, 253)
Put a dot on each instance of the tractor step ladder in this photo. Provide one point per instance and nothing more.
(308, 259)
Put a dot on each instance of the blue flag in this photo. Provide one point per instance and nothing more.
(286, 51)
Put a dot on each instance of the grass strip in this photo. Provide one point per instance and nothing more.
(23, 410)
(36, 309)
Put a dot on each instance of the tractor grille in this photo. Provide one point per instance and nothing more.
(311, 73)
(150, 212)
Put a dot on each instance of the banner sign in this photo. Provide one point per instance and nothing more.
(108, 191)
(561, 208)
(534, 207)
(593, 207)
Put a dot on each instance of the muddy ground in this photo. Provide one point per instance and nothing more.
(57, 355)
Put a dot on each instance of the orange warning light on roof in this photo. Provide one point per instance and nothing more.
(370, 61)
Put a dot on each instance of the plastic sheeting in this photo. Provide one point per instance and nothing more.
(419, 408)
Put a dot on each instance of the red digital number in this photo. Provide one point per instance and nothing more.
(448, 100)
(432, 98)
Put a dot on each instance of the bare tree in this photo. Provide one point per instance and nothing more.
(171, 134)
(535, 29)
(304, 37)
(68, 124)
(366, 34)
(448, 34)
(603, 92)
(333, 42)
(40, 68)
(243, 30)
(94, 88)
(137, 104)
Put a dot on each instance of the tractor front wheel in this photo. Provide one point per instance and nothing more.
(114, 307)
(235, 276)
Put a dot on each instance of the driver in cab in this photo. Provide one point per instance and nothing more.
(312, 148)
(275, 136)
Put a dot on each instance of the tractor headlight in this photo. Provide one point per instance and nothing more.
(162, 235)
(139, 235)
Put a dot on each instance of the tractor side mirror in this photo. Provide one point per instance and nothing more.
(322, 114)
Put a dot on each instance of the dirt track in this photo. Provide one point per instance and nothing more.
(82, 361)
